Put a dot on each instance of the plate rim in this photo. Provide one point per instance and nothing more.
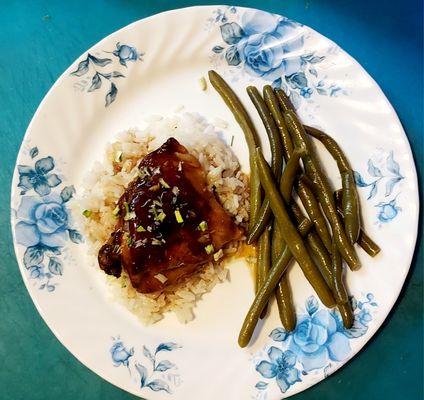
(63, 75)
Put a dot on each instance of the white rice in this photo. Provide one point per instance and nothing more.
(106, 182)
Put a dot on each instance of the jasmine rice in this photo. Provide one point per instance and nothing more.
(104, 185)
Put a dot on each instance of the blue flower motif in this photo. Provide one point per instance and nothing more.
(38, 178)
(281, 366)
(364, 317)
(120, 354)
(318, 338)
(42, 221)
(266, 44)
(306, 92)
(387, 211)
(126, 53)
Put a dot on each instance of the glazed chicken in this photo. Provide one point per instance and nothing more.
(168, 222)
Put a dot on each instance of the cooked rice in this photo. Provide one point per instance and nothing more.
(107, 181)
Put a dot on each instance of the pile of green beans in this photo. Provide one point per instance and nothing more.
(321, 241)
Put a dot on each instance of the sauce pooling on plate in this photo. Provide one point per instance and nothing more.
(168, 222)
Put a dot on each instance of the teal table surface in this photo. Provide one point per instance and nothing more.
(38, 41)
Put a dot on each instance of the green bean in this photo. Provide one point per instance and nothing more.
(337, 275)
(237, 109)
(290, 234)
(285, 102)
(264, 214)
(350, 203)
(345, 311)
(283, 293)
(272, 103)
(246, 124)
(350, 206)
(322, 190)
(286, 185)
(321, 256)
(367, 244)
(264, 255)
(267, 289)
(313, 209)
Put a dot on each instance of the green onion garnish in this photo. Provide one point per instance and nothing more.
(178, 216)
(116, 211)
(161, 216)
(140, 229)
(163, 183)
(209, 249)
(203, 226)
(87, 213)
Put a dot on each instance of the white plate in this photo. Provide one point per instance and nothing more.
(158, 62)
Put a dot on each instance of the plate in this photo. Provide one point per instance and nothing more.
(153, 66)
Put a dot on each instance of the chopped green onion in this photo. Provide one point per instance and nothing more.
(156, 242)
(209, 249)
(118, 156)
(219, 254)
(140, 229)
(161, 216)
(127, 208)
(87, 213)
(131, 215)
(128, 239)
(178, 216)
(116, 211)
(154, 188)
(163, 183)
(161, 278)
(203, 226)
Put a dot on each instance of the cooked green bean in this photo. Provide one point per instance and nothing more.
(290, 233)
(264, 214)
(350, 205)
(267, 290)
(264, 255)
(313, 209)
(283, 291)
(322, 189)
(246, 124)
(340, 292)
(285, 102)
(345, 311)
(272, 103)
(286, 185)
(321, 256)
(367, 244)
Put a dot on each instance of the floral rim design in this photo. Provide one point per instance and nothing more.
(270, 47)
(162, 375)
(384, 171)
(318, 342)
(123, 52)
(43, 221)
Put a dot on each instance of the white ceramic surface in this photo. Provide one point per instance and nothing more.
(158, 62)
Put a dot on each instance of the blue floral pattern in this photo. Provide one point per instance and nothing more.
(318, 342)
(385, 175)
(43, 223)
(93, 64)
(155, 374)
(270, 47)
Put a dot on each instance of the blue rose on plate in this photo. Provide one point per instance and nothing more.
(38, 178)
(126, 53)
(281, 367)
(42, 221)
(265, 43)
(387, 211)
(317, 339)
(120, 354)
